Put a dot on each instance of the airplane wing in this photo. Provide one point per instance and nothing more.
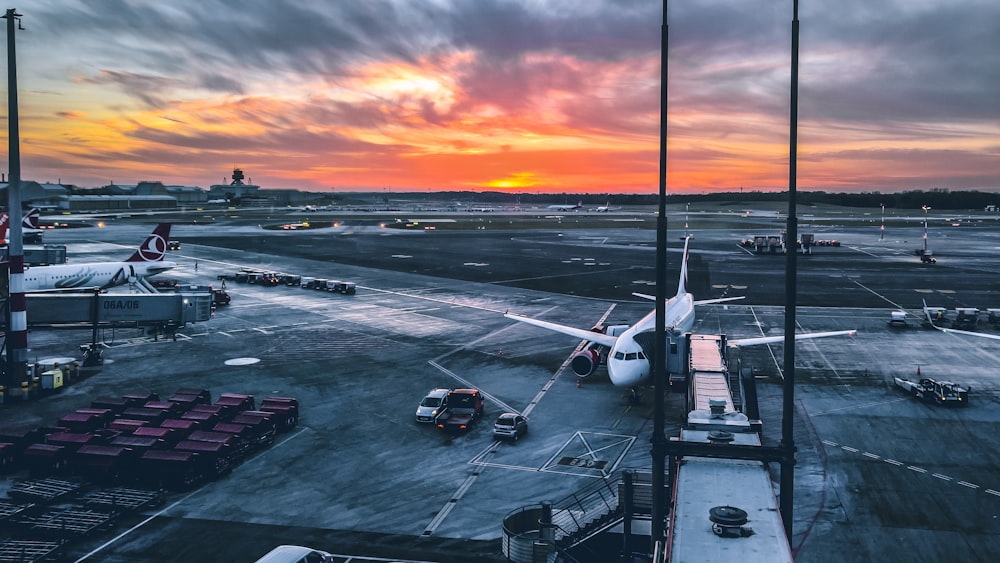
(956, 331)
(701, 302)
(588, 335)
(781, 338)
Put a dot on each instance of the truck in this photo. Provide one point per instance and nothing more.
(464, 407)
(941, 392)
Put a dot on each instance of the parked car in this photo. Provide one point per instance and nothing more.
(295, 554)
(432, 404)
(510, 426)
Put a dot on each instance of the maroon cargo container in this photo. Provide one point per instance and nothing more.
(153, 416)
(104, 415)
(172, 469)
(116, 405)
(171, 408)
(127, 425)
(101, 463)
(219, 456)
(70, 440)
(45, 459)
(182, 427)
(139, 398)
(139, 444)
(81, 422)
(202, 395)
(237, 401)
(185, 402)
(223, 412)
(263, 427)
(239, 446)
(286, 407)
(167, 436)
(203, 418)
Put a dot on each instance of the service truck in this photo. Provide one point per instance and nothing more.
(941, 392)
(465, 406)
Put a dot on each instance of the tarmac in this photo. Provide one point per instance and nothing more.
(880, 476)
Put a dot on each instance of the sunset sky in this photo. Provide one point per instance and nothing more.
(522, 95)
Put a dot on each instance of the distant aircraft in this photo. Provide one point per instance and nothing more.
(146, 261)
(29, 224)
(627, 363)
(566, 207)
(603, 208)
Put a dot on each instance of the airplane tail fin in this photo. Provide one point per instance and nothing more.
(4, 223)
(154, 248)
(30, 220)
(682, 283)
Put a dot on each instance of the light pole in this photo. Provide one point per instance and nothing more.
(925, 208)
(881, 235)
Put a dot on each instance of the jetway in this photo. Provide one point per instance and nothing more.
(171, 310)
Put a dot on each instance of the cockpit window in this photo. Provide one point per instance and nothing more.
(619, 355)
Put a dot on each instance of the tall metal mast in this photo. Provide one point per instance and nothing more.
(659, 438)
(791, 273)
(17, 337)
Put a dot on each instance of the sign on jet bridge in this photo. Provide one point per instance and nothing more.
(173, 308)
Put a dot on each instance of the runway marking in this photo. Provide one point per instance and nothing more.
(942, 477)
(871, 455)
(992, 492)
(967, 484)
(850, 449)
(893, 462)
(917, 469)
(862, 406)
(877, 294)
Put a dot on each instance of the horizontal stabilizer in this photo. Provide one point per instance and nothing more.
(649, 297)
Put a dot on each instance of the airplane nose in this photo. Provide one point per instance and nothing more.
(627, 373)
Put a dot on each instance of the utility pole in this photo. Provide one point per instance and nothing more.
(17, 323)
(926, 209)
(881, 235)
(659, 368)
(787, 445)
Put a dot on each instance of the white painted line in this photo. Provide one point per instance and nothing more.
(873, 456)
(850, 449)
(992, 492)
(829, 443)
(942, 477)
(970, 485)
(892, 461)
(917, 469)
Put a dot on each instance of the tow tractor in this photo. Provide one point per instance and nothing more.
(941, 392)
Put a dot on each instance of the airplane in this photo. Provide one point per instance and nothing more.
(627, 363)
(603, 208)
(29, 223)
(566, 207)
(146, 261)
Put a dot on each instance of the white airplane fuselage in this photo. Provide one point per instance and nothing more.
(628, 365)
(96, 274)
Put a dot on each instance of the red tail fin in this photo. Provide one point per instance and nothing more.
(4, 223)
(154, 248)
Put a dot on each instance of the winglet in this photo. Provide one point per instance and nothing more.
(154, 248)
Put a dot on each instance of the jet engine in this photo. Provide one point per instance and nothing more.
(585, 362)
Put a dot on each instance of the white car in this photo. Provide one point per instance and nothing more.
(432, 404)
(295, 554)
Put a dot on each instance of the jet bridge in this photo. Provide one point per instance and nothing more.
(106, 310)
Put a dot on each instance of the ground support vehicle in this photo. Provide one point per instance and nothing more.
(432, 404)
(941, 392)
(465, 406)
(510, 426)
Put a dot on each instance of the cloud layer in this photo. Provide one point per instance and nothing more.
(529, 95)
